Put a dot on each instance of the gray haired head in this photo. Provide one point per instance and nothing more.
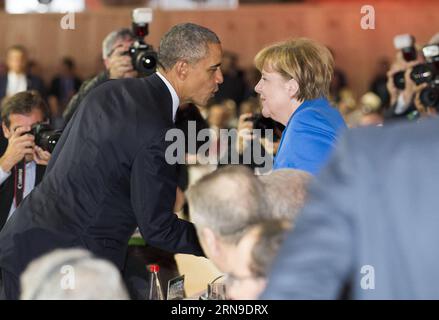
(285, 192)
(111, 38)
(186, 41)
(72, 274)
(228, 201)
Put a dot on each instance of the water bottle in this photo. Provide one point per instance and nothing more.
(155, 289)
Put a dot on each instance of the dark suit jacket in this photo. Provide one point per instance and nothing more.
(33, 83)
(7, 193)
(371, 221)
(107, 175)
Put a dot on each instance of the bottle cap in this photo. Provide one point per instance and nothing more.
(153, 268)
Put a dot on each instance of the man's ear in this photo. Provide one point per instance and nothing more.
(210, 240)
(107, 63)
(293, 88)
(182, 69)
(6, 131)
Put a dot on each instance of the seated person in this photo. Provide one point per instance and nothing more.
(223, 205)
(72, 274)
(258, 248)
(19, 113)
(231, 211)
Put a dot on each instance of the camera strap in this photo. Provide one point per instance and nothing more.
(20, 174)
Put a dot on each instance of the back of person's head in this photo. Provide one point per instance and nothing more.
(285, 191)
(68, 63)
(270, 235)
(227, 201)
(185, 41)
(72, 274)
(23, 103)
(304, 60)
(112, 38)
(258, 249)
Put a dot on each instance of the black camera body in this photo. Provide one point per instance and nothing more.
(260, 122)
(45, 137)
(143, 56)
(429, 96)
(421, 73)
(429, 73)
(424, 73)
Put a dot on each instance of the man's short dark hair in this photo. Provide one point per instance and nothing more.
(69, 63)
(23, 103)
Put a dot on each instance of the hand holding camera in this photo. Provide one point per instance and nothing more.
(20, 144)
(120, 65)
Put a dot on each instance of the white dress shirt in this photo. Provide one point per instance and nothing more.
(16, 83)
(29, 181)
(3, 175)
(175, 98)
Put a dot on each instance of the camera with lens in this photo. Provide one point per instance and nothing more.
(428, 73)
(260, 122)
(143, 57)
(45, 137)
(406, 44)
(429, 96)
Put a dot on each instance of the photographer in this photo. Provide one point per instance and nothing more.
(426, 94)
(400, 85)
(19, 113)
(117, 66)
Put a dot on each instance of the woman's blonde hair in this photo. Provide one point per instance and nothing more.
(304, 60)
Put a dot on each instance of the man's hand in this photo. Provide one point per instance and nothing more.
(120, 66)
(41, 157)
(19, 145)
(391, 88)
(410, 85)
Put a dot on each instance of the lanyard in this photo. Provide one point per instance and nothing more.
(20, 170)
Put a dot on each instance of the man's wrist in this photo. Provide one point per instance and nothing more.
(5, 165)
(3, 174)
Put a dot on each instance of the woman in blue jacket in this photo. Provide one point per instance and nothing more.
(294, 87)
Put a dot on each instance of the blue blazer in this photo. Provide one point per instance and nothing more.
(309, 136)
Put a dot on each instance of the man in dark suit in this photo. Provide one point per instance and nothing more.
(371, 223)
(19, 113)
(17, 79)
(108, 173)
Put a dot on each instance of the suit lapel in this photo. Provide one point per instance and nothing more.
(6, 196)
(39, 173)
